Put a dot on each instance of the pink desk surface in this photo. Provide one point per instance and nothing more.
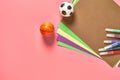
(24, 55)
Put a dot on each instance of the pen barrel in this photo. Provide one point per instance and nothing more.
(114, 52)
(116, 31)
(115, 48)
(113, 41)
(117, 36)
(115, 44)
(112, 45)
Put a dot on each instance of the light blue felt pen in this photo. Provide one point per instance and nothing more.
(112, 45)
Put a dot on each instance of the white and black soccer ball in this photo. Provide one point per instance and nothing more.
(66, 9)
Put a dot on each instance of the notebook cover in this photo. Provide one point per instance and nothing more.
(89, 21)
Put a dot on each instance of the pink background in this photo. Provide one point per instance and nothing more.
(117, 2)
(24, 55)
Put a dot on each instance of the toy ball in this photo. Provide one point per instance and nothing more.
(47, 29)
(66, 9)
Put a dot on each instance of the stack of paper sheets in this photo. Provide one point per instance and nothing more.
(66, 38)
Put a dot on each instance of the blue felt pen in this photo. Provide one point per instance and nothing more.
(112, 45)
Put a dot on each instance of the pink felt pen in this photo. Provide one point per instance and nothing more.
(110, 52)
(113, 35)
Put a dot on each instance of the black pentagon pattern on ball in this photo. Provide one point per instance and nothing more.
(69, 7)
(63, 12)
(62, 5)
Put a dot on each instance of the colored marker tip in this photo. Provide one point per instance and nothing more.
(107, 47)
(107, 41)
(110, 35)
(103, 53)
(108, 29)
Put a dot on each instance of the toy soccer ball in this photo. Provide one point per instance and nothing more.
(66, 9)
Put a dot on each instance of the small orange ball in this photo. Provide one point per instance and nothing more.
(47, 29)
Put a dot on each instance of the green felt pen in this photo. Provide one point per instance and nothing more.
(112, 30)
(114, 48)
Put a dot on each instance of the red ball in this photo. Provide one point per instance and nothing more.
(47, 29)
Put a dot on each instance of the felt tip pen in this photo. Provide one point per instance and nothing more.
(110, 41)
(113, 35)
(110, 52)
(112, 45)
(112, 30)
(110, 49)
